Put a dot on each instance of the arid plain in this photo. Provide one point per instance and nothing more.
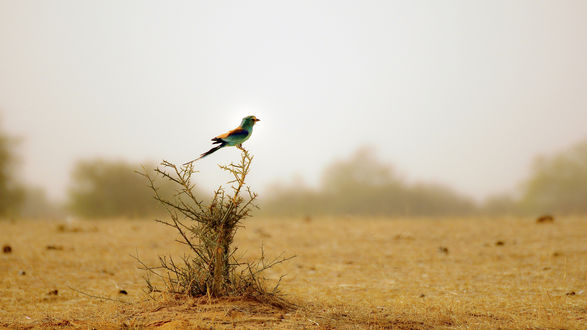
(347, 273)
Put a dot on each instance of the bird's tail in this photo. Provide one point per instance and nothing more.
(221, 145)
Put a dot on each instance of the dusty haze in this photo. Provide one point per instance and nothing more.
(464, 93)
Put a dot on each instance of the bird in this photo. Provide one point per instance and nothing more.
(236, 137)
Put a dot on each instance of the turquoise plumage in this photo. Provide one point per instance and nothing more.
(236, 137)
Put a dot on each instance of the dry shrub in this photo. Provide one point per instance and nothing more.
(208, 229)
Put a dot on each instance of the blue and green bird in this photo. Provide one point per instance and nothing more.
(236, 137)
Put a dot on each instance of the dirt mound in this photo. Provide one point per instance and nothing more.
(184, 312)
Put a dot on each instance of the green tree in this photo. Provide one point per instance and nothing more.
(558, 184)
(102, 188)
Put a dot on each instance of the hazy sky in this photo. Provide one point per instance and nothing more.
(464, 93)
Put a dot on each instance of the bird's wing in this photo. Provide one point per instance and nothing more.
(235, 134)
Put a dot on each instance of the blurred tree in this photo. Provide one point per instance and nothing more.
(11, 192)
(103, 188)
(362, 169)
(36, 205)
(438, 200)
(362, 185)
(558, 184)
(288, 200)
(500, 204)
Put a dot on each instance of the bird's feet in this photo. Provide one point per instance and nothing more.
(240, 146)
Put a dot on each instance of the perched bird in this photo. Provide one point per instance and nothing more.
(236, 137)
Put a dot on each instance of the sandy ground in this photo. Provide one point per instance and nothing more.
(348, 273)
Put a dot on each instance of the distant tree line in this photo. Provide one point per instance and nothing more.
(362, 185)
(558, 183)
(106, 189)
(359, 185)
(98, 189)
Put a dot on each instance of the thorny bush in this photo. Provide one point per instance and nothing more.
(208, 229)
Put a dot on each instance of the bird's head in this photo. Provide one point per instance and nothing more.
(249, 121)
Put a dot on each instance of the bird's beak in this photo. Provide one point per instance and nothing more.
(257, 119)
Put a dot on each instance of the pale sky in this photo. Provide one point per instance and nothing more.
(464, 93)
